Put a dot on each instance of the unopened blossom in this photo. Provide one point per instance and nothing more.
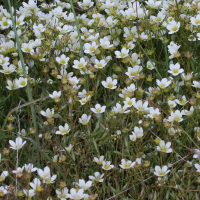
(175, 69)
(76, 195)
(84, 185)
(161, 171)
(98, 109)
(49, 113)
(126, 164)
(63, 130)
(138, 131)
(164, 147)
(99, 160)
(173, 27)
(109, 83)
(175, 116)
(62, 193)
(97, 177)
(124, 53)
(106, 165)
(163, 83)
(84, 119)
(18, 144)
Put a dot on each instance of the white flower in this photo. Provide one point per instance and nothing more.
(5, 23)
(3, 175)
(133, 137)
(175, 69)
(161, 172)
(97, 177)
(164, 147)
(3, 190)
(79, 64)
(141, 106)
(129, 101)
(138, 131)
(90, 48)
(119, 109)
(29, 168)
(8, 70)
(84, 185)
(48, 113)
(171, 103)
(98, 109)
(126, 164)
(63, 60)
(76, 195)
(100, 64)
(175, 116)
(195, 20)
(62, 194)
(18, 144)
(182, 102)
(133, 71)
(173, 27)
(63, 130)
(124, 53)
(86, 4)
(84, 119)
(196, 84)
(11, 85)
(150, 65)
(21, 82)
(153, 113)
(29, 193)
(163, 83)
(109, 83)
(171, 131)
(19, 171)
(99, 160)
(106, 165)
(36, 185)
(55, 95)
(27, 48)
(45, 175)
(69, 148)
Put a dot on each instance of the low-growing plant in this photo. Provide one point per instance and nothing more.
(100, 99)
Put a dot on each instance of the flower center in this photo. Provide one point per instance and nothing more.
(23, 83)
(175, 28)
(175, 71)
(62, 61)
(98, 110)
(5, 23)
(110, 85)
(27, 49)
(164, 149)
(122, 54)
(197, 21)
(162, 85)
(107, 166)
